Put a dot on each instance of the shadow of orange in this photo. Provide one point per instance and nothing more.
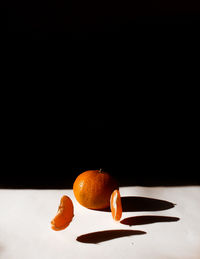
(136, 203)
(101, 236)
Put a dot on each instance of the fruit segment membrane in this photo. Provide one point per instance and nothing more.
(64, 215)
(115, 205)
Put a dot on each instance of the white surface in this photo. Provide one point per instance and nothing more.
(25, 231)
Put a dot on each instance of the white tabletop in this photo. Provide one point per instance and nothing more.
(157, 223)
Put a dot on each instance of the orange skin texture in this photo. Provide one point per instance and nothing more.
(64, 214)
(116, 205)
(93, 188)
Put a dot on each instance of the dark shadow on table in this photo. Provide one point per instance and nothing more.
(101, 236)
(147, 219)
(136, 203)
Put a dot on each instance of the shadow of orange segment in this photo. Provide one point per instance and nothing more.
(147, 219)
(106, 235)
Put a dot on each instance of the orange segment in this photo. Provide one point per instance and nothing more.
(64, 215)
(116, 205)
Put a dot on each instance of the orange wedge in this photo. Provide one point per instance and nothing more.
(116, 205)
(64, 215)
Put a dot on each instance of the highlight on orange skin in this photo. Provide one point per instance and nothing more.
(116, 205)
(64, 214)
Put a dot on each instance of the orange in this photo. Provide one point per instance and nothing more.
(64, 214)
(116, 205)
(93, 189)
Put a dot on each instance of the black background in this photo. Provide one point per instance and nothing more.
(147, 143)
(150, 139)
(82, 20)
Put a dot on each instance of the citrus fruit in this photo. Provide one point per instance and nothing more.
(64, 214)
(93, 189)
(116, 205)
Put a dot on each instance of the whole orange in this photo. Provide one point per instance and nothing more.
(93, 189)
